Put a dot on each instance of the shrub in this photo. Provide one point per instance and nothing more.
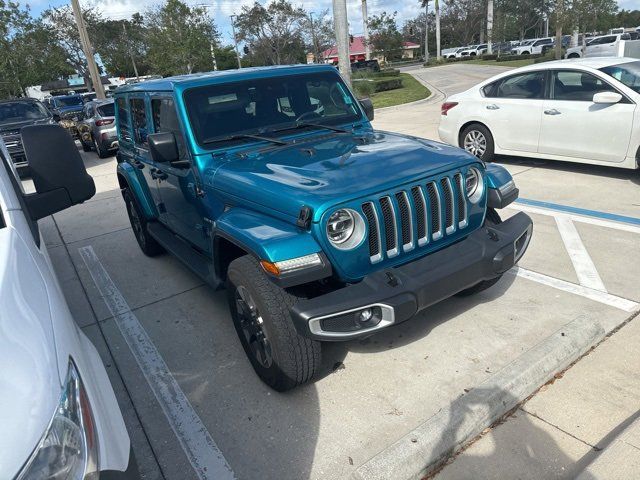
(388, 83)
(487, 56)
(508, 58)
(387, 72)
(363, 87)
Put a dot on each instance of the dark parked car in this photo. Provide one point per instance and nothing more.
(67, 110)
(97, 129)
(365, 65)
(15, 114)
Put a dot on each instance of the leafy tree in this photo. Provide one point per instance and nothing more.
(319, 33)
(384, 36)
(120, 43)
(29, 52)
(226, 57)
(274, 34)
(180, 39)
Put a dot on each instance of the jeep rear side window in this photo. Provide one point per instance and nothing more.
(124, 126)
(139, 116)
(165, 119)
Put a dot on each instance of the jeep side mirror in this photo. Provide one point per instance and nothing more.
(164, 149)
(367, 106)
(57, 170)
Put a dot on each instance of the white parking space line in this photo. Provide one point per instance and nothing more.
(588, 276)
(198, 445)
(577, 218)
(597, 295)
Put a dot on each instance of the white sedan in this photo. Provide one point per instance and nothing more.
(582, 110)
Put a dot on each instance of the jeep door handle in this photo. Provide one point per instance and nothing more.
(158, 174)
(137, 164)
(493, 106)
(553, 111)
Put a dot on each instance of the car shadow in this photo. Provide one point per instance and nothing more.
(519, 447)
(595, 170)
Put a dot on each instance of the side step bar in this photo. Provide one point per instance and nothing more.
(197, 262)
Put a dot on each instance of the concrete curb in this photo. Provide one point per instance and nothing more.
(426, 101)
(424, 449)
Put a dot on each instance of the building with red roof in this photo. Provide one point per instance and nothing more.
(358, 51)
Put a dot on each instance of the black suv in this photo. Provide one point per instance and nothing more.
(15, 114)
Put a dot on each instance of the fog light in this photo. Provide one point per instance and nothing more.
(369, 317)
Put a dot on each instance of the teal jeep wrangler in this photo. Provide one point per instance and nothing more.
(272, 183)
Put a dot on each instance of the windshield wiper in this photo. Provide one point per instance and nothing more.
(310, 124)
(249, 136)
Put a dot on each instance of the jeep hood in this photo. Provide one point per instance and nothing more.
(325, 170)
(10, 127)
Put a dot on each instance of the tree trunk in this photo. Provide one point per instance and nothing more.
(559, 19)
(489, 26)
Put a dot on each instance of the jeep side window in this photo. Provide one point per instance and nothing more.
(139, 117)
(124, 125)
(165, 119)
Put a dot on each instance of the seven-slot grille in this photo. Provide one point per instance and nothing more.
(416, 216)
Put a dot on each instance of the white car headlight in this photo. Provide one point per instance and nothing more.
(474, 185)
(345, 229)
(68, 449)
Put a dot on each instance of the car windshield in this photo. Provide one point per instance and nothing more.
(11, 112)
(68, 101)
(268, 104)
(626, 73)
(107, 110)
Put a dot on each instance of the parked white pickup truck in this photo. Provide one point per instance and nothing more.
(602, 46)
(533, 47)
(59, 415)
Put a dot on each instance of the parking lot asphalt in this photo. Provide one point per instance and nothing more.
(370, 393)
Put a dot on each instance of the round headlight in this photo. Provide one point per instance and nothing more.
(340, 226)
(474, 185)
(345, 229)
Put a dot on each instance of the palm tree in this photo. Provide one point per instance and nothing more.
(437, 8)
(425, 5)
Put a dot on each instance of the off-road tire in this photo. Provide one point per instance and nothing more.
(488, 154)
(492, 218)
(295, 359)
(149, 245)
(85, 147)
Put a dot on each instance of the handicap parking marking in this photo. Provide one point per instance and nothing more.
(204, 455)
(590, 284)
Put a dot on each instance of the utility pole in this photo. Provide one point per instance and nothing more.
(365, 29)
(126, 39)
(489, 26)
(437, 7)
(559, 20)
(342, 38)
(88, 50)
(426, 30)
(235, 40)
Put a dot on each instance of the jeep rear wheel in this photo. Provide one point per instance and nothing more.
(282, 358)
(149, 245)
(493, 218)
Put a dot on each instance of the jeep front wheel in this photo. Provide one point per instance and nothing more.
(282, 358)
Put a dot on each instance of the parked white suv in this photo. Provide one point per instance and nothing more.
(602, 46)
(534, 47)
(59, 415)
(474, 50)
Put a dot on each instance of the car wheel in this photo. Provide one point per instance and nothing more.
(492, 218)
(85, 147)
(149, 245)
(574, 55)
(477, 140)
(282, 358)
(100, 150)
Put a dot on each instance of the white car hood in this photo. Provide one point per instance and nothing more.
(29, 378)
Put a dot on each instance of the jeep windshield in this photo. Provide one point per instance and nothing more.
(265, 105)
(627, 73)
(12, 112)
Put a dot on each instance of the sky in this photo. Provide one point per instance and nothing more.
(222, 9)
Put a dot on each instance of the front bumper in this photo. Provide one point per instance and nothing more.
(400, 293)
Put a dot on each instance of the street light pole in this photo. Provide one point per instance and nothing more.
(426, 30)
(235, 40)
(490, 27)
(88, 50)
(342, 38)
